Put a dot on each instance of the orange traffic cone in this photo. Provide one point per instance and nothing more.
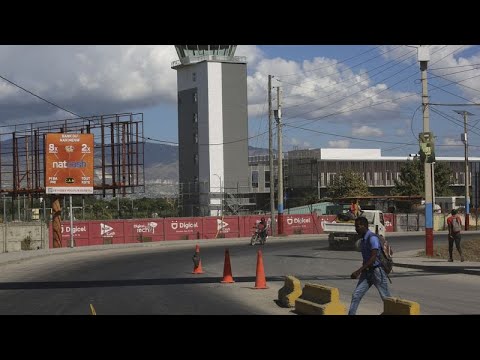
(260, 281)
(197, 262)
(227, 270)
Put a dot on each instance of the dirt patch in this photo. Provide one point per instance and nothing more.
(470, 249)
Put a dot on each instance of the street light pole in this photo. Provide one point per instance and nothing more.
(467, 173)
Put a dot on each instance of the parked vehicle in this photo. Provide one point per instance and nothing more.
(343, 236)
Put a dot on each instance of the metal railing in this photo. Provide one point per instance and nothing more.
(195, 59)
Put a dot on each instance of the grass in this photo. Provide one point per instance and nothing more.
(470, 249)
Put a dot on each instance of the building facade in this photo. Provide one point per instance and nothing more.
(317, 168)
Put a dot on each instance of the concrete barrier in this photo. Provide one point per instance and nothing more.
(396, 306)
(320, 300)
(290, 291)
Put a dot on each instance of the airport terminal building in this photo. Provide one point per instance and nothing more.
(317, 168)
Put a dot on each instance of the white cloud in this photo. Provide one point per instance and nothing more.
(90, 80)
(85, 79)
(299, 143)
(339, 143)
(451, 142)
(365, 130)
(448, 64)
(324, 88)
(252, 52)
(294, 141)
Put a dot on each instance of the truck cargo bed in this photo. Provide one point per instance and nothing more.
(347, 228)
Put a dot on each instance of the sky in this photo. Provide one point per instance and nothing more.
(340, 96)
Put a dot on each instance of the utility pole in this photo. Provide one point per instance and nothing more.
(278, 118)
(270, 156)
(467, 173)
(423, 58)
(72, 243)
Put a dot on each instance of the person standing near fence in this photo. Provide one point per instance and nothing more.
(454, 224)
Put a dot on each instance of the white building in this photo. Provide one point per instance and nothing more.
(212, 126)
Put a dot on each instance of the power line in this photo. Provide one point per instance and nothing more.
(41, 98)
(326, 66)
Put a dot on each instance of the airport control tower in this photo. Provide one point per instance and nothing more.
(212, 127)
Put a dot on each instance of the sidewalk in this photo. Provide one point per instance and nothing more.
(410, 259)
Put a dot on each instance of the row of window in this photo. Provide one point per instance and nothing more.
(325, 179)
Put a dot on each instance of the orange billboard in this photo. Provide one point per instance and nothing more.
(69, 163)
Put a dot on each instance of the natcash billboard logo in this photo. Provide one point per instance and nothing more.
(222, 225)
(106, 230)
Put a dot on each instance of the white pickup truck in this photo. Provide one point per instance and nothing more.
(342, 235)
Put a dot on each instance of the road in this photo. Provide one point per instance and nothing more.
(158, 279)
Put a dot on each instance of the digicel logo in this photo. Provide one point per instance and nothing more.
(183, 225)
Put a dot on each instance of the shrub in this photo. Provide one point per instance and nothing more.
(26, 243)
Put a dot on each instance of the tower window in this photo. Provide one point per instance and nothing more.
(195, 159)
(195, 98)
(195, 118)
(194, 77)
(195, 138)
(255, 178)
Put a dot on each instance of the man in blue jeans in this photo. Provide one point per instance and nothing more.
(371, 272)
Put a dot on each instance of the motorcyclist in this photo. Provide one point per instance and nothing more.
(262, 228)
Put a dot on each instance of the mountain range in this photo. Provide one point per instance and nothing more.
(161, 167)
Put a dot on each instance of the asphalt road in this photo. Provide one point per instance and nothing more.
(158, 279)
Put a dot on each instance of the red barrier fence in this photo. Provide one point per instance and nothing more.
(98, 232)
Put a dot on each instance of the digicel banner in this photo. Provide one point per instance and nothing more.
(69, 163)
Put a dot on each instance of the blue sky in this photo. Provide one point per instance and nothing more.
(333, 96)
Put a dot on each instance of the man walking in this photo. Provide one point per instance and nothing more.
(454, 224)
(371, 272)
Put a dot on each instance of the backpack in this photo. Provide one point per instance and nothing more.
(456, 225)
(385, 254)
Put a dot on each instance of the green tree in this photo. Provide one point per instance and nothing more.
(412, 181)
(348, 184)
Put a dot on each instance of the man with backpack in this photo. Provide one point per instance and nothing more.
(454, 224)
(371, 272)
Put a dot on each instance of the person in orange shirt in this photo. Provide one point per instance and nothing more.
(355, 209)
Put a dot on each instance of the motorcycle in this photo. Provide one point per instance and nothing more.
(258, 237)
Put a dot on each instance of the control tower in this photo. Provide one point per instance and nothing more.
(212, 127)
